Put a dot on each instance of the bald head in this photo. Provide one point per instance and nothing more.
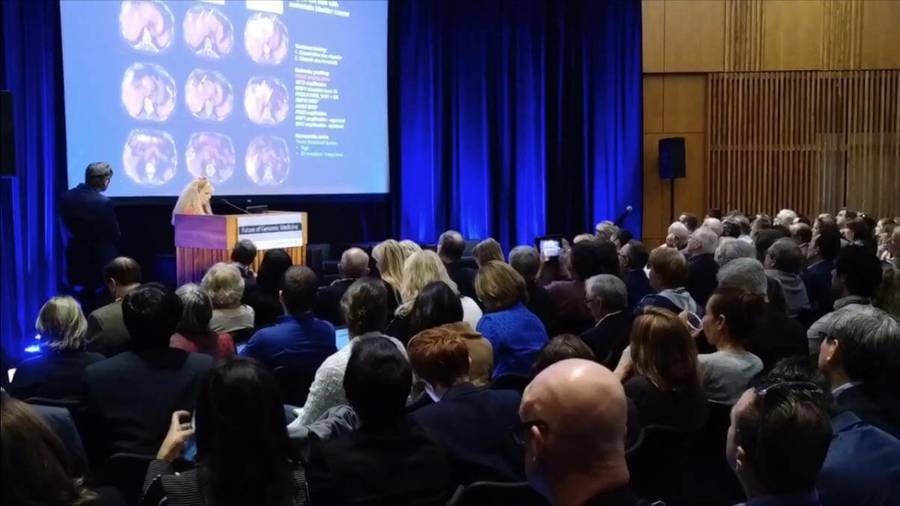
(354, 263)
(451, 246)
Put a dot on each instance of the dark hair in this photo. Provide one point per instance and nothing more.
(439, 356)
(861, 270)
(637, 255)
(561, 347)
(377, 381)
(742, 311)
(861, 232)
(690, 221)
(731, 228)
(828, 241)
(244, 252)
(802, 218)
(242, 441)
(715, 212)
(36, 467)
(799, 368)
(124, 270)
(623, 236)
(801, 232)
(590, 258)
(435, 305)
(298, 289)
(765, 238)
(364, 305)
(786, 255)
(271, 271)
(785, 432)
(451, 245)
(151, 314)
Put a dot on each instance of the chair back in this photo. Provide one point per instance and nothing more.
(126, 472)
(490, 492)
(658, 463)
(294, 383)
(242, 335)
(511, 381)
(70, 404)
(714, 481)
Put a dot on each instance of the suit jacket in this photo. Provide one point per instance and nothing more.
(131, 397)
(464, 277)
(873, 407)
(702, 270)
(474, 425)
(90, 219)
(400, 464)
(817, 279)
(328, 302)
(106, 332)
(609, 337)
(775, 337)
(53, 375)
(541, 304)
(638, 286)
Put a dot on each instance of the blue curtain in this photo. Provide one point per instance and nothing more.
(515, 118)
(31, 258)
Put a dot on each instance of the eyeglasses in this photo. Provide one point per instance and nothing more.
(520, 431)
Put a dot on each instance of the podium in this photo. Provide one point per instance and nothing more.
(203, 240)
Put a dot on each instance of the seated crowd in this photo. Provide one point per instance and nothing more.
(745, 359)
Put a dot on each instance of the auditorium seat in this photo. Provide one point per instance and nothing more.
(126, 472)
(659, 464)
(294, 383)
(490, 492)
(511, 381)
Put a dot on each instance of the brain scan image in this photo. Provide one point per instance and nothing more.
(266, 39)
(147, 25)
(149, 157)
(208, 95)
(268, 160)
(266, 100)
(210, 155)
(148, 92)
(208, 32)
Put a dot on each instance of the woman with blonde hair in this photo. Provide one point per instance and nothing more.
(57, 372)
(486, 251)
(419, 270)
(389, 259)
(194, 198)
(409, 248)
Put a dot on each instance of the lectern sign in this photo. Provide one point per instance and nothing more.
(269, 231)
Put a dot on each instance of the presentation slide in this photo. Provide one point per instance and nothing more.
(262, 97)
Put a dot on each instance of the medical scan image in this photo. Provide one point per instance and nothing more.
(208, 32)
(208, 95)
(150, 157)
(147, 25)
(266, 100)
(268, 160)
(266, 39)
(210, 155)
(148, 92)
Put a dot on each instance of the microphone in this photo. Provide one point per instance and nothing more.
(622, 216)
(239, 208)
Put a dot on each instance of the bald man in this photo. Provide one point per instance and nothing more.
(574, 416)
(354, 265)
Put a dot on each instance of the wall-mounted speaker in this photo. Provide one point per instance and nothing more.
(671, 158)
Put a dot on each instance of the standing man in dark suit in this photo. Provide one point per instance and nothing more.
(702, 266)
(106, 333)
(822, 251)
(451, 246)
(93, 230)
(607, 298)
(354, 265)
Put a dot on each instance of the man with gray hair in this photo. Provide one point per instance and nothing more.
(607, 298)
(702, 266)
(527, 261)
(354, 265)
(860, 358)
(677, 236)
(785, 217)
(606, 230)
(731, 249)
(714, 224)
(784, 261)
(776, 336)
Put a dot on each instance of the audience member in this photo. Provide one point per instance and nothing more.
(193, 333)
(889, 293)
(438, 306)
(776, 336)
(622, 237)
(241, 443)
(561, 347)
(777, 442)
(714, 224)
(106, 332)
(823, 250)
(860, 357)
(702, 266)
(857, 275)
(784, 261)
(607, 298)
(668, 276)
(527, 262)
(587, 259)
(764, 238)
(486, 251)
(354, 264)
(844, 215)
(730, 249)
(605, 231)
(785, 217)
(633, 257)
(131, 396)
(390, 459)
(731, 228)
(56, 373)
(731, 316)
(689, 220)
(409, 248)
(265, 300)
(573, 419)
(677, 236)
(364, 308)
(515, 333)
(36, 468)
(802, 234)
(471, 422)
(884, 231)
(389, 261)
(225, 286)
(450, 248)
(298, 341)
(242, 256)
(586, 238)
(857, 233)
(660, 374)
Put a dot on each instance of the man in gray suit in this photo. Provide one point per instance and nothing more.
(106, 332)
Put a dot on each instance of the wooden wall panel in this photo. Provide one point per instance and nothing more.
(653, 104)
(743, 35)
(880, 34)
(684, 100)
(792, 35)
(653, 32)
(656, 194)
(842, 30)
(694, 35)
